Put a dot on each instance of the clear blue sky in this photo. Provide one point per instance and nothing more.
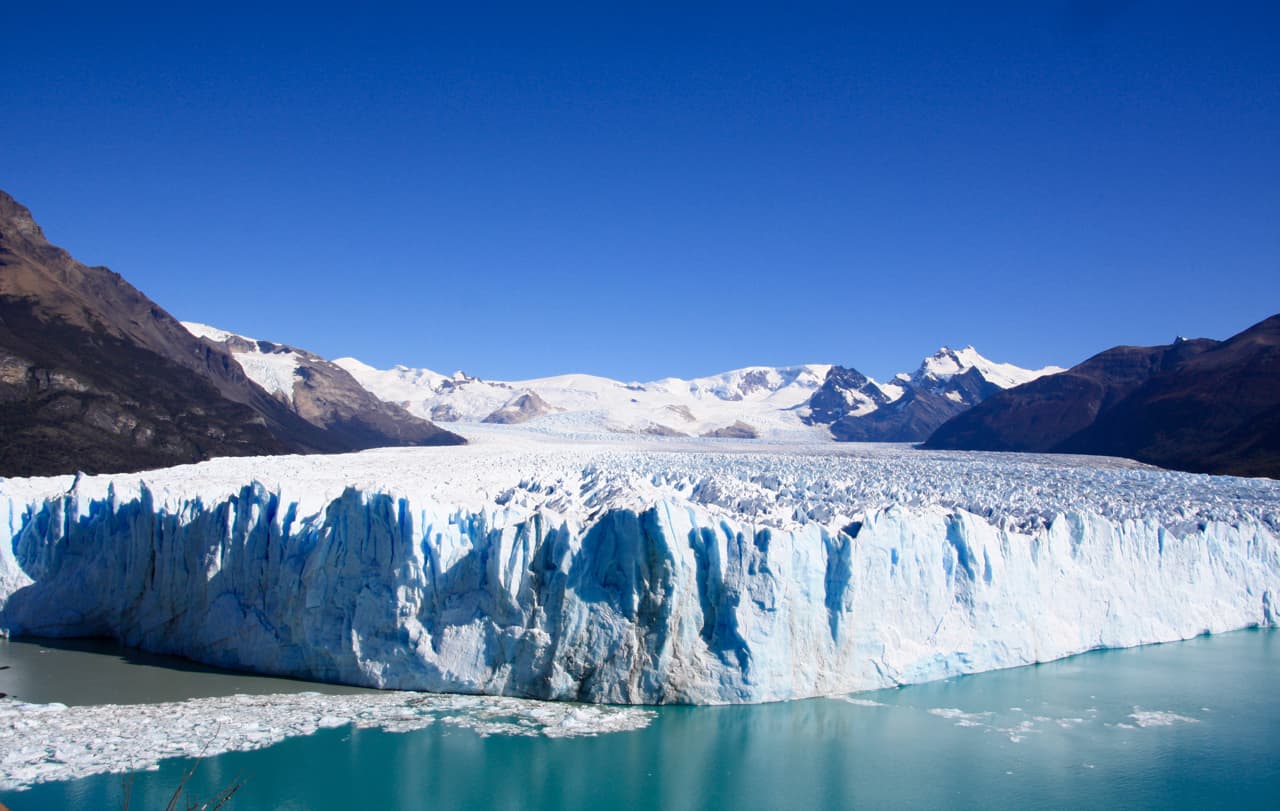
(649, 192)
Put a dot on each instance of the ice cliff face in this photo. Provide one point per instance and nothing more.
(614, 574)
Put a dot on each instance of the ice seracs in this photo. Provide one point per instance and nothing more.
(639, 571)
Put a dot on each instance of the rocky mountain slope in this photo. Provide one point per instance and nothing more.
(910, 407)
(1199, 405)
(322, 393)
(95, 376)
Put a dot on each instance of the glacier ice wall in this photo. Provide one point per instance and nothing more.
(609, 597)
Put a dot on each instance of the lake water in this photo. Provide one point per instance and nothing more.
(1187, 725)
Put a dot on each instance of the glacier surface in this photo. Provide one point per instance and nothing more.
(638, 571)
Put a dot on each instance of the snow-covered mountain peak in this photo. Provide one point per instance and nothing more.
(748, 383)
(761, 398)
(947, 363)
(320, 392)
(911, 406)
(775, 402)
(212, 333)
(397, 384)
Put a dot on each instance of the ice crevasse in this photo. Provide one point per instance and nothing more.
(615, 584)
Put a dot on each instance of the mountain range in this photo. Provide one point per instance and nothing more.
(95, 376)
(1200, 405)
(911, 406)
(815, 400)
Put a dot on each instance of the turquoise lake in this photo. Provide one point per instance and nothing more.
(1194, 724)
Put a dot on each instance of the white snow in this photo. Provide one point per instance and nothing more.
(947, 363)
(892, 390)
(274, 371)
(766, 398)
(771, 400)
(400, 384)
(47, 742)
(212, 333)
(632, 570)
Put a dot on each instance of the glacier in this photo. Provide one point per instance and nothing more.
(638, 571)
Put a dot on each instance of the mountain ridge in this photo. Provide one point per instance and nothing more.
(96, 376)
(815, 400)
(320, 392)
(1200, 405)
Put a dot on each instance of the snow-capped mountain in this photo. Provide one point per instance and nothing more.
(788, 402)
(757, 400)
(95, 376)
(775, 402)
(321, 393)
(1200, 404)
(948, 364)
(912, 406)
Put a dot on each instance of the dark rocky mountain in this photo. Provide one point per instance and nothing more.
(910, 407)
(1198, 405)
(842, 391)
(521, 408)
(95, 376)
(737, 430)
(909, 418)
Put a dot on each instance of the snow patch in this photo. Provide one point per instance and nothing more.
(947, 363)
(212, 333)
(274, 370)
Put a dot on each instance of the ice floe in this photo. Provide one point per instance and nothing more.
(49, 742)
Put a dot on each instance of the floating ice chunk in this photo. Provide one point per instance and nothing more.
(862, 702)
(46, 742)
(1158, 718)
(962, 718)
